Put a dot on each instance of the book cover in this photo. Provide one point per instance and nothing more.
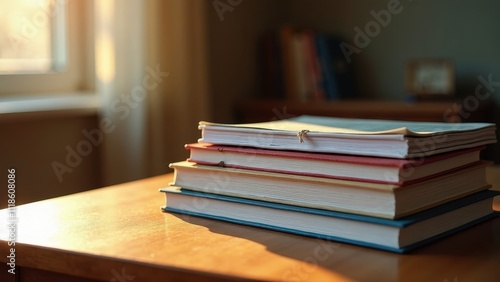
(314, 74)
(374, 199)
(329, 80)
(400, 236)
(382, 138)
(342, 70)
(299, 67)
(349, 167)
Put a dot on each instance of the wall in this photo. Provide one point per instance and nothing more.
(465, 31)
(31, 145)
(233, 39)
(30, 142)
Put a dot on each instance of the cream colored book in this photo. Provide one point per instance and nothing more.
(373, 199)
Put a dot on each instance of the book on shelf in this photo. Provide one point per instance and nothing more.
(348, 167)
(314, 74)
(304, 65)
(329, 79)
(338, 74)
(307, 76)
(378, 138)
(342, 69)
(300, 70)
(367, 198)
(399, 236)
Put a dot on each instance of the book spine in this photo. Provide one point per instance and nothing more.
(313, 68)
(342, 71)
(329, 81)
(299, 67)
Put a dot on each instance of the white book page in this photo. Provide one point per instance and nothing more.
(358, 126)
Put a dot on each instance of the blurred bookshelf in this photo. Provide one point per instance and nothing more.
(304, 72)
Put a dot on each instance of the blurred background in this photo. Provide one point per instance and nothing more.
(95, 93)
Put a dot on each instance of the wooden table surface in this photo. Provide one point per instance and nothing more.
(119, 233)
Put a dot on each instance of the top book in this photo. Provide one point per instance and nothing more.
(379, 138)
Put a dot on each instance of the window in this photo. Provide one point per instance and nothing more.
(32, 34)
(46, 47)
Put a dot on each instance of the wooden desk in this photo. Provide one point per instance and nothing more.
(119, 234)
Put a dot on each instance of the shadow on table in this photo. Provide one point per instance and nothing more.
(473, 249)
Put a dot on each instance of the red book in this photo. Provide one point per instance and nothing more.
(347, 167)
(313, 67)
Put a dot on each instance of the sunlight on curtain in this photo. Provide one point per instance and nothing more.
(155, 90)
(180, 39)
(104, 41)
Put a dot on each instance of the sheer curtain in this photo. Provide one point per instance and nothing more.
(151, 65)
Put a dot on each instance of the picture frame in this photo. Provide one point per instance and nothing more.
(426, 78)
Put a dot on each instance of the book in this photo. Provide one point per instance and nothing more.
(339, 78)
(399, 236)
(299, 67)
(360, 168)
(312, 65)
(373, 199)
(329, 79)
(342, 70)
(381, 138)
(314, 73)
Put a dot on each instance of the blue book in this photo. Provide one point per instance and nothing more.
(329, 79)
(343, 70)
(400, 235)
(338, 73)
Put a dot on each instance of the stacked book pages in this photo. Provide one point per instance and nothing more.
(391, 185)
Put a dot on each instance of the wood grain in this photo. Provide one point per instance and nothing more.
(120, 231)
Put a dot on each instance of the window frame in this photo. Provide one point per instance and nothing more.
(77, 78)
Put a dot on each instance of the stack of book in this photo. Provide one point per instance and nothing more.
(390, 185)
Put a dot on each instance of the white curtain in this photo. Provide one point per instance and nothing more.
(152, 76)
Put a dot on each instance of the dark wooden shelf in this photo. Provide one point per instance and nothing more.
(441, 111)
